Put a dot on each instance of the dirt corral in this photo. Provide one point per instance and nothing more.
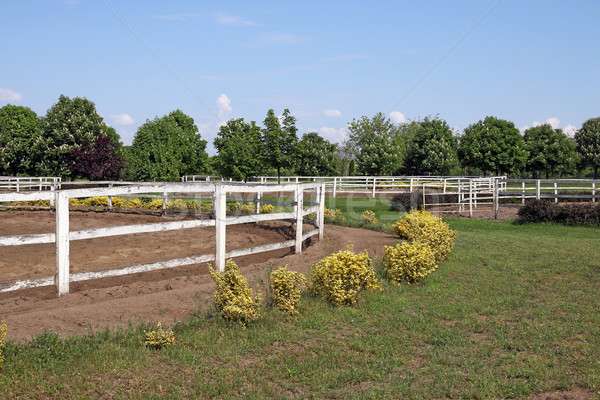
(167, 295)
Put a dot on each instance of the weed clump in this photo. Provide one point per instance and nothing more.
(287, 288)
(341, 277)
(233, 297)
(369, 218)
(159, 338)
(408, 262)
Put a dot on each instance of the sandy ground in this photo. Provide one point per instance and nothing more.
(166, 295)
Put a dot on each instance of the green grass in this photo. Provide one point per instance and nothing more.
(514, 311)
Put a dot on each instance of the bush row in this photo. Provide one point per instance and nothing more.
(565, 213)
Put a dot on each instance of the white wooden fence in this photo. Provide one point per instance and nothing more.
(63, 236)
(18, 184)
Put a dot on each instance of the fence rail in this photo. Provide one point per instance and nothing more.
(63, 236)
(18, 184)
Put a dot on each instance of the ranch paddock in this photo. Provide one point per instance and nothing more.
(167, 295)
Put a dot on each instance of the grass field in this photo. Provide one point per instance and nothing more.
(514, 311)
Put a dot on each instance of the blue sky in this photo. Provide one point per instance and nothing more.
(328, 62)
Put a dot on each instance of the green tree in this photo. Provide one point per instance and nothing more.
(316, 156)
(280, 141)
(433, 148)
(166, 148)
(588, 144)
(67, 125)
(492, 145)
(377, 145)
(239, 149)
(550, 151)
(19, 130)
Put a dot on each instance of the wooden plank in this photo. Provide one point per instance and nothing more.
(244, 219)
(38, 238)
(26, 284)
(261, 249)
(27, 196)
(139, 228)
(310, 210)
(62, 243)
(220, 227)
(310, 234)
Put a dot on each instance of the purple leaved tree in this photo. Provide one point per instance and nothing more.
(98, 160)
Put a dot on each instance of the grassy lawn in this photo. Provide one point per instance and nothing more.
(514, 311)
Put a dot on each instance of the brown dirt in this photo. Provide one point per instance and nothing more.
(167, 295)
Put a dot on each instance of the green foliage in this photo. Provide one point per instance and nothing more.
(550, 151)
(492, 145)
(166, 148)
(287, 288)
(68, 124)
(369, 218)
(566, 213)
(279, 140)
(316, 156)
(588, 144)
(408, 262)
(240, 150)
(432, 149)
(424, 227)
(233, 297)
(2, 341)
(19, 131)
(159, 338)
(377, 145)
(341, 277)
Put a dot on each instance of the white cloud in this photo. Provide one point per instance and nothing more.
(397, 117)
(570, 130)
(226, 19)
(332, 134)
(535, 123)
(554, 122)
(122, 119)
(8, 95)
(223, 107)
(524, 128)
(281, 38)
(330, 112)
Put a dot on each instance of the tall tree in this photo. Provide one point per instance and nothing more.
(280, 141)
(239, 149)
(377, 145)
(19, 130)
(97, 160)
(550, 151)
(316, 156)
(433, 148)
(67, 125)
(166, 148)
(492, 145)
(588, 144)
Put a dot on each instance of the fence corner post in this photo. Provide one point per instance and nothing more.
(220, 226)
(61, 279)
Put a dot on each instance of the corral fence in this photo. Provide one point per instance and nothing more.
(219, 219)
(18, 184)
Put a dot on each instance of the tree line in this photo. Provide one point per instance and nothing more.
(72, 141)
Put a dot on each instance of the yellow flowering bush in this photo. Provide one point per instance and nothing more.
(233, 297)
(267, 209)
(192, 205)
(287, 288)
(248, 208)
(340, 277)
(135, 203)
(159, 338)
(368, 217)
(119, 202)
(427, 228)
(31, 203)
(156, 204)
(333, 214)
(2, 341)
(206, 206)
(408, 262)
(176, 204)
(233, 207)
(74, 202)
(98, 201)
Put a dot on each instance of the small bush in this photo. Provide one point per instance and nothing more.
(540, 211)
(333, 215)
(74, 202)
(135, 203)
(156, 204)
(425, 227)
(233, 297)
(566, 213)
(267, 209)
(192, 205)
(177, 204)
(159, 338)
(408, 262)
(206, 206)
(248, 208)
(287, 288)
(234, 207)
(98, 201)
(340, 277)
(2, 341)
(119, 202)
(369, 218)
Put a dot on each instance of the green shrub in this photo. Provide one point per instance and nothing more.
(159, 338)
(427, 228)
(340, 277)
(233, 297)
(369, 218)
(408, 262)
(287, 288)
(540, 211)
(565, 213)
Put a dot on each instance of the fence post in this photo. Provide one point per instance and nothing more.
(257, 203)
(61, 279)
(52, 189)
(555, 192)
(411, 185)
(444, 183)
(471, 198)
(299, 208)
(334, 186)
(537, 190)
(165, 200)
(496, 199)
(321, 211)
(593, 192)
(110, 198)
(220, 226)
(374, 185)
(523, 192)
